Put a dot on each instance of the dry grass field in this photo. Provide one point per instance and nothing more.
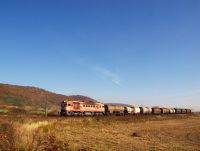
(148, 133)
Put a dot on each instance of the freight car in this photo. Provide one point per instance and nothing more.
(149, 110)
(81, 108)
(156, 110)
(165, 110)
(188, 111)
(128, 110)
(178, 111)
(183, 111)
(172, 111)
(143, 110)
(111, 109)
(136, 110)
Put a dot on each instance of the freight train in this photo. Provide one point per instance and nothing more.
(71, 108)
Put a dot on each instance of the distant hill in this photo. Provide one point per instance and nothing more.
(23, 96)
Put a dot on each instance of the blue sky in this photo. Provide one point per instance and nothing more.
(142, 52)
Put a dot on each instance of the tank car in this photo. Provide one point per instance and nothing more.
(128, 110)
(149, 110)
(143, 110)
(136, 110)
(172, 111)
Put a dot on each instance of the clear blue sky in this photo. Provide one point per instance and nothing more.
(142, 52)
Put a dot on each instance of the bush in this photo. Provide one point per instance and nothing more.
(7, 137)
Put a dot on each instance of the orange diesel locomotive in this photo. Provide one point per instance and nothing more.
(82, 108)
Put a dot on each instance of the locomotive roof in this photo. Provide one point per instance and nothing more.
(85, 101)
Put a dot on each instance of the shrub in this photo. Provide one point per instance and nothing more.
(7, 137)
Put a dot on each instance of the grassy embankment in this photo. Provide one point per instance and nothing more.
(173, 132)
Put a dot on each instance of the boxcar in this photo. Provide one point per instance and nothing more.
(177, 111)
(165, 110)
(114, 109)
(156, 110)
(81, 108)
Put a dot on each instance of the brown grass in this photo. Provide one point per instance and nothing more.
(169, 132)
